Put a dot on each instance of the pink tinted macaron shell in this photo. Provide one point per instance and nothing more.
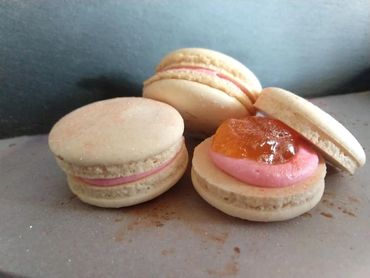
(121, 151)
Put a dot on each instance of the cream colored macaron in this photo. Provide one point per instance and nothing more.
(250, 202)
(330, 137)
(120, 152)
(205, 86)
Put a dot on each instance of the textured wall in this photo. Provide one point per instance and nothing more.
(58, 55)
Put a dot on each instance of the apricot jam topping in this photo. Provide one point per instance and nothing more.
(257, 138)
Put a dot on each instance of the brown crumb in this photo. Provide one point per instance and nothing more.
(353, 199)
(350, 213)
(328, 193)
(307, 214)
(72, 197)
(158, 223)
(119, 236)
(169, 251)
(118, 219)
(326, 214)
(328, 203)
(231, 268)
(221, 238)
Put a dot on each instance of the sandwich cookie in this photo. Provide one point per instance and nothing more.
(264, 169)
(120, 152)
(205, 86)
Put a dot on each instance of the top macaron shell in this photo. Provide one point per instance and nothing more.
(116, 131)
(330, 137)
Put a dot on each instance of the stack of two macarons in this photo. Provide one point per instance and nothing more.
(268, 168)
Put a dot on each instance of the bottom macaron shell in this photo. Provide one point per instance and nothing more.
(253, 203)
(134, 192)
(202, 107)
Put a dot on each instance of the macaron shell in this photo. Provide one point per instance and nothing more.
(116, 131)
(250, 202)
(330, 137)
(202, 107)
(131, 193)
(216, 61)
(205, 79)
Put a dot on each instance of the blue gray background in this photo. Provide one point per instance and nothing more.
(58, 55)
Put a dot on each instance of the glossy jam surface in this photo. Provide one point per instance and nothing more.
(256, 138)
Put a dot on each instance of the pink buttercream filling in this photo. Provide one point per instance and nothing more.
(300, 167)
(213, 73)
(126, 179)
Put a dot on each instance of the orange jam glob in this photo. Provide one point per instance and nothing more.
(256, 138)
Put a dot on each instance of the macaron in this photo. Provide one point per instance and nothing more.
(205, 86)
(272, 168)
(120, 152)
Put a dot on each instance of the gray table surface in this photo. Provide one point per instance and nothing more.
(46, 232)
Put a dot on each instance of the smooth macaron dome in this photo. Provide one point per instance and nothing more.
(205, 86)
(120, 151)
(331, 138)
(258, 169)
